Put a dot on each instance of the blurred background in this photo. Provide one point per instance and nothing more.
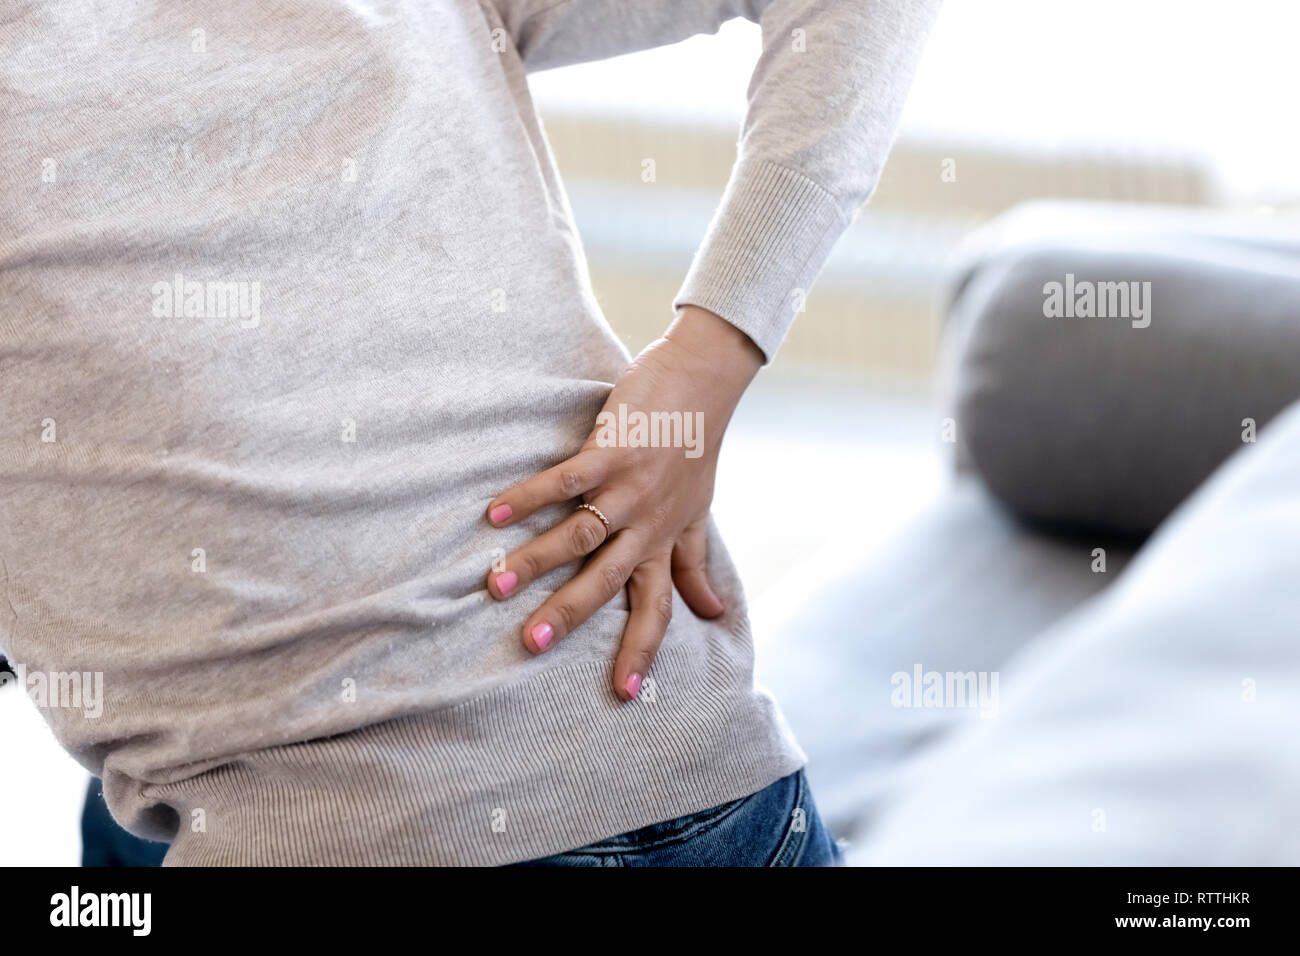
(1173, 104)
(1168, 102)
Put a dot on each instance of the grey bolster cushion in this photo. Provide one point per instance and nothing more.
(1100, 423)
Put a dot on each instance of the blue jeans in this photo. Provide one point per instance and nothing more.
(778, 826)
(104, 843)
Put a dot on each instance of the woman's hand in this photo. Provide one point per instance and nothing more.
(655, 499)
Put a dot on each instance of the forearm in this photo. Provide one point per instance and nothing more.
(715, 348)
(824, 102)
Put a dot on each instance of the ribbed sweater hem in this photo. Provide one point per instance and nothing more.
(524, 772)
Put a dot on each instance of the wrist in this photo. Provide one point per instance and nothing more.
(726, 351)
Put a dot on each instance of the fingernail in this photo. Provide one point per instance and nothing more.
(500, 513)
(542, 635)
(634, 686)
(506, 581)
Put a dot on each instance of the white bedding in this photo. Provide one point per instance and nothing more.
(1157, 724)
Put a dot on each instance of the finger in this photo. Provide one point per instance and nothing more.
(592, 588)
(563, 482)
(576, 537)
(689, 563)
(650, 597)
(571, 540)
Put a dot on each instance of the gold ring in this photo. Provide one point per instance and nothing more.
(596, 511)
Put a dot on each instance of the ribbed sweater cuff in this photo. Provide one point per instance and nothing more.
(768, 241)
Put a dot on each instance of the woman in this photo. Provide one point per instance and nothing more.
(298, 293)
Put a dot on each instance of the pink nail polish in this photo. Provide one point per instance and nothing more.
(634, 686)
(506, 581)
(542, 634)
(500, 513)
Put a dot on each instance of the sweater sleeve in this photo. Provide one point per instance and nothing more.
(824, 104)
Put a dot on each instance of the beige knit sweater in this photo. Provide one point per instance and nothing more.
(288, 290)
